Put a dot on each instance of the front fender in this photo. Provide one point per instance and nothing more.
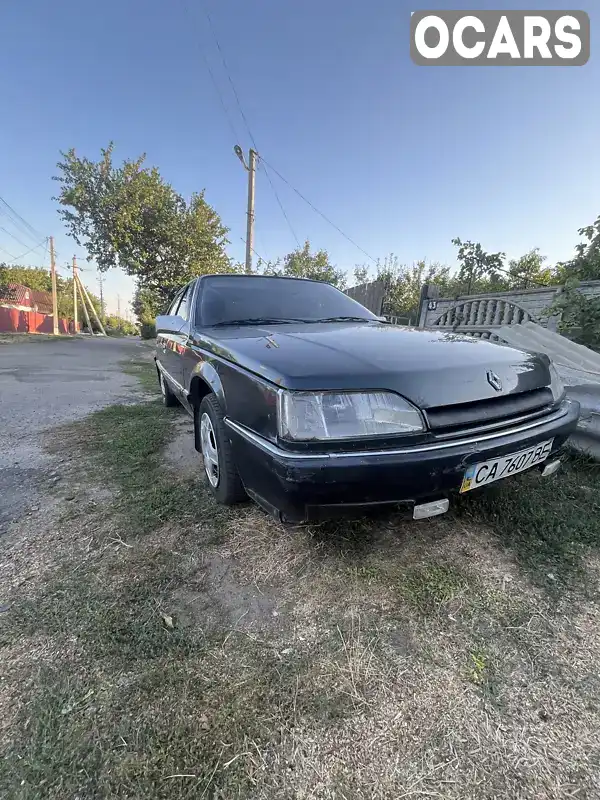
(206, 373)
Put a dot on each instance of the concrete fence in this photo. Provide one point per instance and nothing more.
(481, 314)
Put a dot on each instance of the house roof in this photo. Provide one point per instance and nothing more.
(15, 294)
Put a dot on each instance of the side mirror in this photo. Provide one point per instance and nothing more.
(168, 324)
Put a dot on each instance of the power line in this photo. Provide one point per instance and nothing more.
(245, 119)
(287, 219)
(18, 258)
(320, 213)
(16, 238)
(30, 229)
(212, 76)
(254, 251)
(7, 253)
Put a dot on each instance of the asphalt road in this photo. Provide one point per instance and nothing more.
(44, 384)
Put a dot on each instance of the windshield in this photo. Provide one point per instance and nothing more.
(236, 298)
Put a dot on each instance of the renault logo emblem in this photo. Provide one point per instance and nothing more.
(494, 380)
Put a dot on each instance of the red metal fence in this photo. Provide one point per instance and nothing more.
(14, 320)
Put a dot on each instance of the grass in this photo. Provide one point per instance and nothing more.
(548, 524)
(144, 371)
(430, 586)
(125, 444)
(20, 338)
(169, 648)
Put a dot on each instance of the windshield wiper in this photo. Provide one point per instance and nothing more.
(258, 321)
(344, 319)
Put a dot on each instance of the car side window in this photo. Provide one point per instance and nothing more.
(184, 305)
(171, 311)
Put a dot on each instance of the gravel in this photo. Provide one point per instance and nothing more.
(43, 385)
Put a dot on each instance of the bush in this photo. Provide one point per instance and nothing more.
(148, 330)
(580, 316)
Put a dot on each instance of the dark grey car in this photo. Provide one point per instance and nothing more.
(308, 403)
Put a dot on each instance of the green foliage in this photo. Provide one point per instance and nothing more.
(117, 326)
(586, 264)
(404, 283)
(144, 305)
(38, 279)
(301, 263)
(528, 271)
(477, 266)
(148, 330)
(35, 278)
(128, 216)
(580, 316)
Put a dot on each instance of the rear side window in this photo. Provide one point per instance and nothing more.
(172, 310)
(183, 307)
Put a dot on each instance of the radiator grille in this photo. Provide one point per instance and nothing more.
(464, 416)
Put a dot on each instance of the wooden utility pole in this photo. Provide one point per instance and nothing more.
(102, 311)
(251, 169)
(75, 309)
(250, 222)
(54, 292)
(85, 311)
(84, 293)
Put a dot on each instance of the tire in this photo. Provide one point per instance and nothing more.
(168, 398)
(217, 457)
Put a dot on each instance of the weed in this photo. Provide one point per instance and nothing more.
(548, 523)
(429, 586)
(144, 371)
(477, 667)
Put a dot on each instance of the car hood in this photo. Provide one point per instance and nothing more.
(429, 368)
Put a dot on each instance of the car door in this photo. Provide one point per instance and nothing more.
(180, 336)
(168, 326)
(189, 355)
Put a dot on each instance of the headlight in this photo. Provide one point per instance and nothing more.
(556, 385)
(333, 415)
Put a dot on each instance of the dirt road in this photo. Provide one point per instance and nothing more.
(44, 384)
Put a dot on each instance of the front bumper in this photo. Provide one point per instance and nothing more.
(302, 486)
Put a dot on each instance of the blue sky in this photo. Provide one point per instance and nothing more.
(402, 158)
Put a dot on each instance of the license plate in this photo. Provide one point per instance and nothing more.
(489, 471)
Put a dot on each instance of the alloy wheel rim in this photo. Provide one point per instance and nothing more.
(210, 453)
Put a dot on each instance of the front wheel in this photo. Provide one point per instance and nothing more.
(217, 456)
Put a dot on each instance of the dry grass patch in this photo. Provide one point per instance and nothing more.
(165, 648)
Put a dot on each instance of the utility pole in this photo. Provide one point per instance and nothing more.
(85, 296)
(83, 305)
(119, 310)
(75, 321)
(251, 169)
(54, 294)
(102, 311)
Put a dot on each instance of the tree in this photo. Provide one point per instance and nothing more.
(35, 278)
(301, 263)
(478, 269)
(580, 315)
(528, 271)
(585, 266)
(143, 305)
(39, 279)
(403, 283)
(128, 216)
(117, 326)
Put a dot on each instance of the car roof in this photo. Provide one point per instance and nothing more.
(246, 275)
